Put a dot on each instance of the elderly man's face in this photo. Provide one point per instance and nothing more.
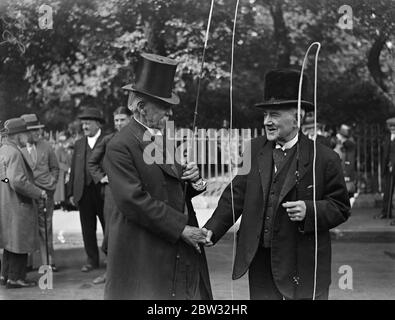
(90, 127)
(156, 114)
(280, 124)
(392, 128)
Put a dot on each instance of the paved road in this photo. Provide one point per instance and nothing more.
(373, 274)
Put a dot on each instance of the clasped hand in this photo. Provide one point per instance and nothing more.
(195, 236)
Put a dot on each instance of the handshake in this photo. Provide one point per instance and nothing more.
(196, 236)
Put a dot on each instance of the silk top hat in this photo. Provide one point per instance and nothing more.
(14, 126)
(91, 114)
(155, 78)
(32, 122)
(281, 89)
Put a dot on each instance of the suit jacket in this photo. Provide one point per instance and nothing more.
(147, 259)
(78, 162)
(293, 244)
(386, 159)
(18, 210)
(95, 163)
(46, 169)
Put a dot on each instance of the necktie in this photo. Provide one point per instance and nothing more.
(33, 154)
(278, 158)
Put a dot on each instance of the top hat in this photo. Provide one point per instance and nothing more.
(91, 114)
(281, 89)
(390, 121)
(14, 126)
(32, 122)
(155, 78)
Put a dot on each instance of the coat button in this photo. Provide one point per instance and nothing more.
(178, 256)
(266, 230)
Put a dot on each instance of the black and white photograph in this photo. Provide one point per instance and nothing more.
(210, 152)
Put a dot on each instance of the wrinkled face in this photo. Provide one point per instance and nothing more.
(392, 128)
(34, 136)
(280, 124)
(120, 120)
(156, 113)
(90, 127)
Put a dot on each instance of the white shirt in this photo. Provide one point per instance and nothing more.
(288, 145)
(92, 140)
(392, 136)
(150, 130)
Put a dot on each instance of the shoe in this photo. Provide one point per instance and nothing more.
(380, 216)
(3, 281)
(392, 223)
(20, 284)
(54, 268)
(87, 268)
(100, 279)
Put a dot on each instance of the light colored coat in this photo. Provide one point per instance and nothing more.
(18, 209)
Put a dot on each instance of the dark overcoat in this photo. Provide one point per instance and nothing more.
(147, 259)
(292, 250)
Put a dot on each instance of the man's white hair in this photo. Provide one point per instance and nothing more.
(135, 100)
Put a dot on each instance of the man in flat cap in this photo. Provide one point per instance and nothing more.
(85, 192)
(388, 165)
(18, 208)
(154, 241)
(43, 162)
(276, 237)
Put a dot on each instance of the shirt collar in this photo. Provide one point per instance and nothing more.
(153, 132)
(96, 136)
(289, 144)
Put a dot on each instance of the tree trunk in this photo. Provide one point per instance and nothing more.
(280, 37)
(374, 67)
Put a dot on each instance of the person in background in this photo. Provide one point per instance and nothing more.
(64, 160)
(388, 165)
(346, 149)
(95, 164)
(42, 160)
(18, 208)
(308, 130)
(83, 191)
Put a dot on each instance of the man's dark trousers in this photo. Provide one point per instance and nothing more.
(91, 205)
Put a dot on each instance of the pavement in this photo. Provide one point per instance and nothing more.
(360, 245)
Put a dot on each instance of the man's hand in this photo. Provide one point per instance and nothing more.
(190, 172)
(104, 180)
(194, 236)
(296, 210)
(71, 199)
(43, 195)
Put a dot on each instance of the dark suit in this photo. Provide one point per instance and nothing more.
(87, 195)
(95, 165)
(388, 165)
(289, 261)
(147, 259)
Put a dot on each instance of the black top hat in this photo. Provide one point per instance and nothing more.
(14, 126)
(282, 87)
(155, 78)
(91, 114)
(32, 121)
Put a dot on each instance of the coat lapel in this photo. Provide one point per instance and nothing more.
(145, 139)
(265, 164)
(304, 160)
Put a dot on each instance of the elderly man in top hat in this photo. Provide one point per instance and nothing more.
(388, 165)
(43, 162)
(154, 241)
(276, 236)
(84, 191)
(18, 210)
